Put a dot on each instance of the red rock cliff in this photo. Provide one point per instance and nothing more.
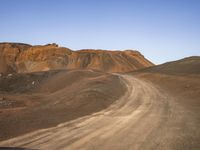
(26, 58)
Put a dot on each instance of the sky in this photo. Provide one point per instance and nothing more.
(162, 30)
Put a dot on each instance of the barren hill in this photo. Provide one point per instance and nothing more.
(189, 65)
(31, 101)
(26, 58)
(180, 78)
(154, 108)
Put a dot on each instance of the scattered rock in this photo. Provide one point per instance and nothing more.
(10, 75)
(5, 104)
(2, 98)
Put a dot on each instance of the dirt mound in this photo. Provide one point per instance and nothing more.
(190, 65)
(179, 78)
(38, 100)
(26, 58)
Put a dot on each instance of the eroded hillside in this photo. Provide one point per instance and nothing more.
(16, 57)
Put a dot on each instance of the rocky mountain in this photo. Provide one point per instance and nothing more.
(17, 57)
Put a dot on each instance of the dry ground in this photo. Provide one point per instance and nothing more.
(153, 109)
(144, 118)
(39, 100)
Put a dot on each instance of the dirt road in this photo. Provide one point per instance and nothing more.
(144, 118)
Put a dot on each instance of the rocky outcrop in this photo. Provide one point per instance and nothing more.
(26, 58)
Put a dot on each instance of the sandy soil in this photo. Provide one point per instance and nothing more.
(55, 97)
(146, 117)
(184, 88)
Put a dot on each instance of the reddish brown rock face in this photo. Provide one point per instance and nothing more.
(27, 58)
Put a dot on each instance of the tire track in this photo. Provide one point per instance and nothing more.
(144, 118)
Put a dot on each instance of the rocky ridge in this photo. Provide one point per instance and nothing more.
(23, 58)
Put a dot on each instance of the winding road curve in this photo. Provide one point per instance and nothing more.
(144, 118)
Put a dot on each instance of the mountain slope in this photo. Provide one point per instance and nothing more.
(27, 58)
(180, 78)
(189, 65)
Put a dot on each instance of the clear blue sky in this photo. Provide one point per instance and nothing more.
(162, 30)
